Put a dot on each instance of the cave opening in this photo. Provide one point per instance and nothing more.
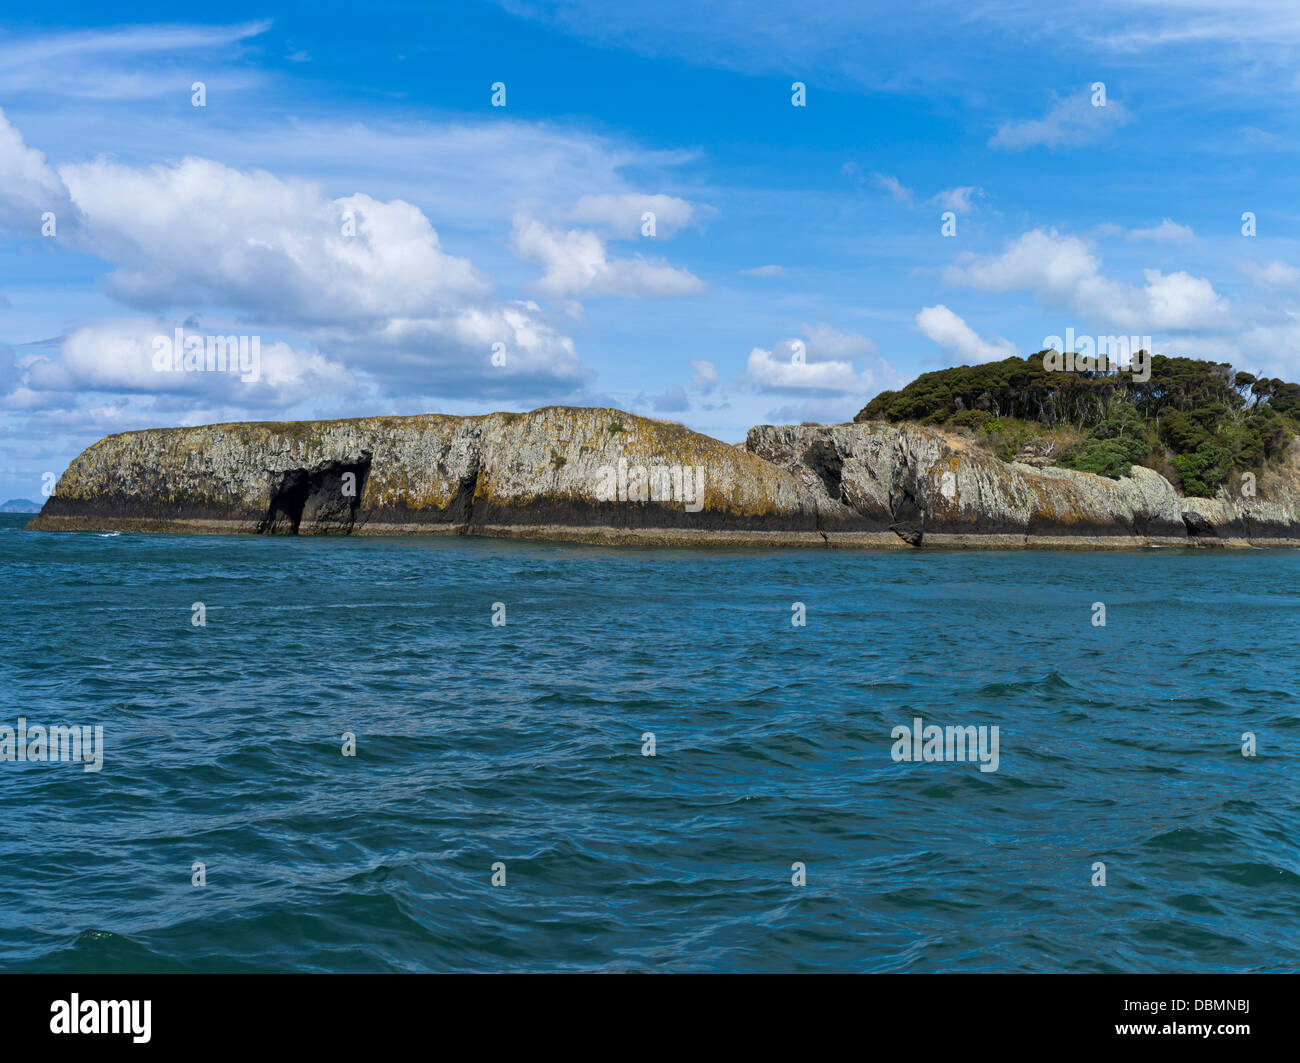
(324, 499)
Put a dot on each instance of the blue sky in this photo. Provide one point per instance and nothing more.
(779, 230)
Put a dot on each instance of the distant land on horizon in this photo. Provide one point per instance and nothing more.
(20, 505)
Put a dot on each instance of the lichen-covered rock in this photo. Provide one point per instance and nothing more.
(503, 473)
(601, 475)
(931, 488)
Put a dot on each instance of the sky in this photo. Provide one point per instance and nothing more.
(720, 214)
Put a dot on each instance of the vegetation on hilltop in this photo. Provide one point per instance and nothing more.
(1195, 422)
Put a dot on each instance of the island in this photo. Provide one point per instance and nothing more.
(1011, 454)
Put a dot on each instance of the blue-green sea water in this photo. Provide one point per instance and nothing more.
(522, 744)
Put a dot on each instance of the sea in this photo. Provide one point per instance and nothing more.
(470, 755)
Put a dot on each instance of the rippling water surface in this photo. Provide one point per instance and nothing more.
(523, 744)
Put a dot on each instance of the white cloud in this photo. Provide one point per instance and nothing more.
(1168, 231)
(199, 230)
(272, 252)
(1069, 122)
(130, 63)
(704, 375)
(622, 215)
(1037, 259)
(825, 343)
(463, 172)
(958, 339)
(1274, 274)
(1183, 22)
(1171, 301)
(899, 192)
(764, 271)
(1063, 273)
(961, 199)
(1266, 345)
(449, 354)
(28, 185)
(821, 361)
(779, 371)
(576, 263)
(117, 356)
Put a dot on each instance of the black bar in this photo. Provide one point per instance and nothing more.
(339, 1013)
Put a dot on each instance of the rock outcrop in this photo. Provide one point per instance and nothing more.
(932, 488)
(601, 475)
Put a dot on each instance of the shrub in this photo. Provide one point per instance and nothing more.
(970, 419)
(1104, 457)
(1203, 470)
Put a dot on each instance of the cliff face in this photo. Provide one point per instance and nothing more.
(602, 475)
(555, 472)
(937, 489)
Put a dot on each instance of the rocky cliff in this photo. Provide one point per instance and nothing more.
(932, 487)
(601, 475)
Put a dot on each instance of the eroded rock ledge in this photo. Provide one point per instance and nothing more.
(605, 476)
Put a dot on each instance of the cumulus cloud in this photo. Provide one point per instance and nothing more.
(1064, 273)
(118, 356)
(779, 370)
(28, 185)
(576, 262)
(1068, 123)
(390, 317)
(821, 361)
(360, 278)
(537, 357)
(200, 231)
(958, 339)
